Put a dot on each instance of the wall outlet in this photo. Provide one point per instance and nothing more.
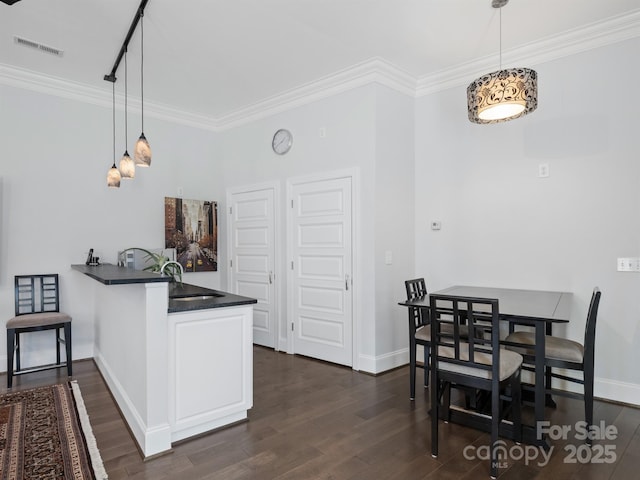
(629, 264)
(543, 170)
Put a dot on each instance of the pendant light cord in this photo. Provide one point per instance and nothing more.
(114, 123)
(142, 66)
(126, 95)
(500, 40)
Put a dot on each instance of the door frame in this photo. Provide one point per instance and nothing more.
(356, 268)
(279, 343)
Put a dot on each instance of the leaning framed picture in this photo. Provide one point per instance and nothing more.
(191, 227)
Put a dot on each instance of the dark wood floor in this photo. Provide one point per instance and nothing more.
(313, 420)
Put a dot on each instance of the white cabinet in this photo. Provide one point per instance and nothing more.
(210, 369)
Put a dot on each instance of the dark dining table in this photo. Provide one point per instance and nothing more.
(534, 308)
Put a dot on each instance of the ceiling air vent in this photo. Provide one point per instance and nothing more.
(38, 46)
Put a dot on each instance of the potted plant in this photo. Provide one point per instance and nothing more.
(160, 263)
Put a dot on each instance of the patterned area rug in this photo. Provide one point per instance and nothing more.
(45, 434)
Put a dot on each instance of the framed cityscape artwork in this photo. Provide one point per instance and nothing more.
(191, 227)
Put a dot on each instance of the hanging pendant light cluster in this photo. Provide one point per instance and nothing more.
(142, 151)
(505, 94)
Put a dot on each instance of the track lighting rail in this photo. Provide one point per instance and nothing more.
(111, 77)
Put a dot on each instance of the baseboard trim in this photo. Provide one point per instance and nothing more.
(383, 363)
(604, 388)
(617, 392)
(150, 441)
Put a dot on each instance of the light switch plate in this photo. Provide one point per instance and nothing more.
(629, 264)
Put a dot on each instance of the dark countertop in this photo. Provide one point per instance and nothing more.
(114, 275)
(182, 297)
(186, 298)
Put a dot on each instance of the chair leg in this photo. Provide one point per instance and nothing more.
(588, 401)
(58, 341)
(67, 346)
(412, 369)
(446, 400)
(495, 425)
(426, 365)
(434, 413)
(17, 335)
(10, 353)
(516, 406)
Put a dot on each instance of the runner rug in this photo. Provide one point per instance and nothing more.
(45, 434)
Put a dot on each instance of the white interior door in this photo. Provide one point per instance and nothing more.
(252, 257)
(321, 290)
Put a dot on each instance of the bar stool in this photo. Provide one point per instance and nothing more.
(37, 307)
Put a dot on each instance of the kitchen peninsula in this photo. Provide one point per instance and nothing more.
(177, 358)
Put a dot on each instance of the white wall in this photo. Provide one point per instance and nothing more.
(394, 228)
(55, 203)
(503, 226)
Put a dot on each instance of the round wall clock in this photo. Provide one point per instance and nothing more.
(282, 141)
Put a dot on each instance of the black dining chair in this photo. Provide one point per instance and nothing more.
(37, 308)
(419, 333)
(476, 361)
(566, 354)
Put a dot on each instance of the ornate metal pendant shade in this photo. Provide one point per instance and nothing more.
(505, 94)
(502, 95)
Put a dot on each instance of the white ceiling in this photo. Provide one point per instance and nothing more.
(215, 58)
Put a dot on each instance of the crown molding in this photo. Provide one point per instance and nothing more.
(48, 85)
(373, 71)
(38, 82)
(376, 70)
(571, 42)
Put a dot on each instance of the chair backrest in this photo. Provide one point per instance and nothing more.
(416, 288)
(480, 316)
(590, 327)
(36, 293)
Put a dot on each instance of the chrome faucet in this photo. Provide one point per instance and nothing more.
(172, 262)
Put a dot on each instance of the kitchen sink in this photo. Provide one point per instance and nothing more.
(195, 298)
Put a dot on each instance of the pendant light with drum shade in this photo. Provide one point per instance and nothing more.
(505, 94)
(113, 175)
(142, 150)
(127, 167)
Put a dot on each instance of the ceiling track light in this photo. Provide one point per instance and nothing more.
(505, 94)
